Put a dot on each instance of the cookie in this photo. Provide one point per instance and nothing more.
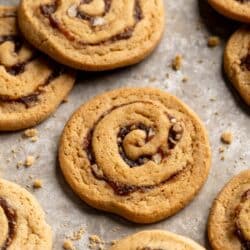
(235, 9)
(93, 35)
(31, 86)
(137, 152)
(229, 220)
(237, 62)
(156, 240)
(22, 220)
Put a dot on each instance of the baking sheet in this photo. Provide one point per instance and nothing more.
(188, 25)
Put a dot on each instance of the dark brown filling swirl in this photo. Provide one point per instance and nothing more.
(19, 68)
(12, 38)
(245, 62)
(12, 220)
(244, 242)
(125, 189)
(89, 18)
(49, 9)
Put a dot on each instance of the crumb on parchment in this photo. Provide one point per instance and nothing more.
(68, 245)
(184, 79)
(227, 137)
(177, 62)
(95, 242)
(29, 161)
(19, 164)
(76, 235)
(213, 41)
(31, 133)
(37, 184)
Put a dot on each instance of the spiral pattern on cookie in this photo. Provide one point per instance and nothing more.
(134, 144)
(97, 34)
(8, 224)
(237, 62)
(231, 229)
(144, 136)
(235, 9)
(28, 79)
(156, 240)
(242, 215)
(94, 17)
(21, 220)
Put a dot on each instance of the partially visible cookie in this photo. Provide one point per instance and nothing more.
(229, 221)
(237, 62)
(93, 35)
(137, 152)
(22, 222)
(234, 9)
(31, 86)
(156, 240)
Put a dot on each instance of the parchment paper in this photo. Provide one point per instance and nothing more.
(188, 25)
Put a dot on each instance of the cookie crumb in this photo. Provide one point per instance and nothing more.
(34, 139)
(30, 132)
(113, 242)
(95, 239)
(213, 41)
(227, 137)
(77, 235)
(184, 79)
(95, 242)
(19, 164)
(29, 161)
(177, 62)
(37, 184)
(68, 245)
(221, 150)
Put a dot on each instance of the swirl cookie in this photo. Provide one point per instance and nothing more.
(22, 221)
(93, 35)
(234, 9)
(31, 87)
(229, 221)
(156, 240)
(137, 152)
(237, 62)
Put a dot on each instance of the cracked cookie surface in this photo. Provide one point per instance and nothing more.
(237, 62)
(235, 9)
(22, 220)
(229, 221)
(135, 148)
(32, 86)
(156, 240)
(93, 35)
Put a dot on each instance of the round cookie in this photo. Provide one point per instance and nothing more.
(93, 35)
(31, 86)
(235, 9)
(22, 220)
(156, 240)
(237, 62)
(229, 220)
(137, 152)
